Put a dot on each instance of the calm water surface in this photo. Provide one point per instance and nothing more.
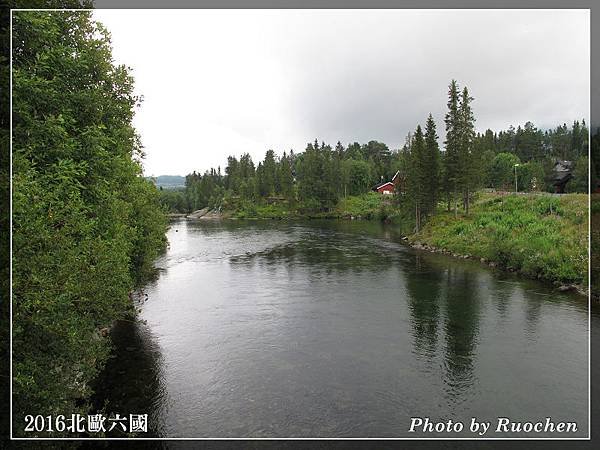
(337, 329)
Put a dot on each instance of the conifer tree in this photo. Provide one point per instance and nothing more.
(451, 156)
(339, 150)
(432, 165)
(285, 177)
(417, 178)
(232, 172)
(468, 164)
(269, 168)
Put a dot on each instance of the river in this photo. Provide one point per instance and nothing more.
(338, 329)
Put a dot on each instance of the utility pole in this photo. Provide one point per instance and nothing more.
(516, 190)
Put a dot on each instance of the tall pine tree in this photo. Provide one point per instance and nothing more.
(451, 156)
(417, 177)
(432, 165)
(468, 162)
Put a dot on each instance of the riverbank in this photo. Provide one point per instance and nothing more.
(595, 240)
(368, 206)
(537, 235)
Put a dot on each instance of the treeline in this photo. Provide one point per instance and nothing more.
(86, 225)
(317, 178)
(536, 151)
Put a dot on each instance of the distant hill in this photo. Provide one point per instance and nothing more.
(169, 181)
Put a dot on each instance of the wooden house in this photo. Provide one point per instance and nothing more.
(386, 188)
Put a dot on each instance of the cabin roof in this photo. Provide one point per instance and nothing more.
(380, 185)
(562, 172)
(563, 166)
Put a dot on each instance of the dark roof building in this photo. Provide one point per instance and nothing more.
(561, 174)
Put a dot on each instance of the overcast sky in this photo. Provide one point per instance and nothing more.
(224, 82)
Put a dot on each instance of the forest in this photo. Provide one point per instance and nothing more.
(320, 176)
(87, 226)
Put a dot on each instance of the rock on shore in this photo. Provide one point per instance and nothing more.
(205, 214)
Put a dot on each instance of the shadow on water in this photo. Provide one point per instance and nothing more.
(132, 380)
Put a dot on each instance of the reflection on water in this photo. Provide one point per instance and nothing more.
(424, 304)
(335, 329)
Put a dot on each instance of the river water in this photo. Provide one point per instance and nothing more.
(338, 329)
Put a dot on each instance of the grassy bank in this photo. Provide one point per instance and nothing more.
(369, 206)
(595, 210)
(541, 236)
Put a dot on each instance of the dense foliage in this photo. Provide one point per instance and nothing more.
(314, 180)
(4, 221)
(86, 225)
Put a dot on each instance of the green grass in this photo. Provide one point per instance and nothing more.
(371, 205)
(278, 210)
(540, 236)
(366, 206)
(595, 207)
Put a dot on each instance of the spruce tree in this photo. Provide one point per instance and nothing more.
(451, 156)
(468, 162)
(339, 150)
(432, 165)
(285, 177)
(417, 177)
(269, 169)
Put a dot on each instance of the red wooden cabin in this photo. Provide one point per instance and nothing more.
(385, 188)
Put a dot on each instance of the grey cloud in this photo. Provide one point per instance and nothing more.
(371, 74)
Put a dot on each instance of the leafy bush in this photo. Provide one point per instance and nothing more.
(87, 225)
